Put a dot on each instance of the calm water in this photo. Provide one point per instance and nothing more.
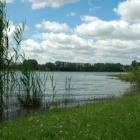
(89, 83)
(85, 87)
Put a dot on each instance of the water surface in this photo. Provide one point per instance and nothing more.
(89, 83)
(86, 87)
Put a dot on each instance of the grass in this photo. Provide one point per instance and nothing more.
(117, 119)
(128, 77)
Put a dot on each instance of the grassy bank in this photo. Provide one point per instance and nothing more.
(128, 77)
(114, 119)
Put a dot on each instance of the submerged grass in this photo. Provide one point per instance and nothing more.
(117, 119)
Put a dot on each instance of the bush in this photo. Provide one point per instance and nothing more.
(136, 77)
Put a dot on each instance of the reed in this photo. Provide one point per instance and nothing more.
(32, 87)
(53, 87)
(4, 44)
(7, 75)
(68, 97)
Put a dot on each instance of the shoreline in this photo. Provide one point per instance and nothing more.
(66, 122)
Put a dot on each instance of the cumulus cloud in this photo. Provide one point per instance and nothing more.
(129, 10)
(53, 26)
(60, 46)
(36, 4)
(88, 19)
(117, 29)
(12, 28)
(94, 40)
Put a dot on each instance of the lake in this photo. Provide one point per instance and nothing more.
(80, 86)
(85, 87)
(97, 84)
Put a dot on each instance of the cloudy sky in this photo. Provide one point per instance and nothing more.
(79, 30)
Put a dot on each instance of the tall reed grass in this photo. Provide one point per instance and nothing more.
(7, 58)
(29, 86)
(32, 88)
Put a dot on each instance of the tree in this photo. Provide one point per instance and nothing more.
(134, 63)
(50, 66)
(31, 63)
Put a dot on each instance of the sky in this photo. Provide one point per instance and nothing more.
(87, 31)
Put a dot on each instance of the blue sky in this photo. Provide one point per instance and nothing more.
(87, 30)
(19, 11)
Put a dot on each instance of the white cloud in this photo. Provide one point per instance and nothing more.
(89, 18)
(12, 27)
(94, 40)
(60, 46)
(53, 26)
(117, 29)
(92, 6)
(93, 9)
(129, 10)
(36, 4)
(7, 1)
(71, 14)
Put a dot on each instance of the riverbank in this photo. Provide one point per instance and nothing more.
(110, 119)
(127, 77)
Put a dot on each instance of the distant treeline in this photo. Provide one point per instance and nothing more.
(68, 66)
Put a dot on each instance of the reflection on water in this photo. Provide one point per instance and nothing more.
(85, 87)
(89, 83)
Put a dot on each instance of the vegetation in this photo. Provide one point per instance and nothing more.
(30, 93)
(6, 57)
(53, 87)
(133, 76)
(2, 51)
(68, 66)
(110, 119)
(29, 83)
(68, 97)
(128, 77)
(114, 119)
(32, 87)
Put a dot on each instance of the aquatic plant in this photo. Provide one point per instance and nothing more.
(53, 87)
(32, 87)
(8, 55)
(68, 97)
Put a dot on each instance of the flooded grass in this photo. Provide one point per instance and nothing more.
(107, 120)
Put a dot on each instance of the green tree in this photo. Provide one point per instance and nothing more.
(31, 63)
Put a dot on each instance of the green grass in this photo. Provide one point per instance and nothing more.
(117, 119)
(125, 77)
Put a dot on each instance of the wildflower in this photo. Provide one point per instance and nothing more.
(31, 118)
(41, 125)
(60, 126)
(60, 131)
